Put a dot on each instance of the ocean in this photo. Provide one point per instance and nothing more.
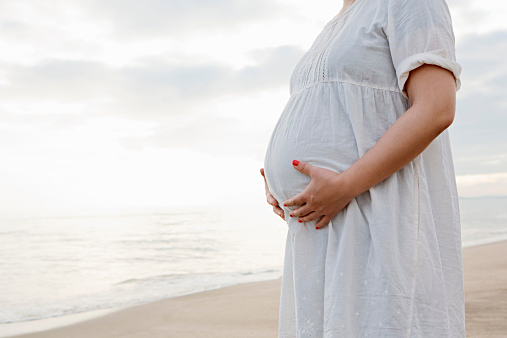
(55, 265)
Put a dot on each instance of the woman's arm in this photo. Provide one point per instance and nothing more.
(432, 93)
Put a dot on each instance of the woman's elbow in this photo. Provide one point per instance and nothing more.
(436, 117)
(446, 118)
(446, 113)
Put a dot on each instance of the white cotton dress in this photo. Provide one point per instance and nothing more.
(390, 263)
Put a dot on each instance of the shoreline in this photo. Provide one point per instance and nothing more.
(484, 242)
(221, 312)
(35, 326)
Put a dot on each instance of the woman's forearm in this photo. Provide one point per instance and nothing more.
(431, 113)
(402, 142)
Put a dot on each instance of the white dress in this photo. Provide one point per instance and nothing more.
(389, 264)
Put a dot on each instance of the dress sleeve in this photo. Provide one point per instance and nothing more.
(420, 32)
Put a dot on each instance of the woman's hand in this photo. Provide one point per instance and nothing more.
(324, 197)
(271, 200)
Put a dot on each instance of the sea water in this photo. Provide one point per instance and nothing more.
(59, 264)
(56, 265)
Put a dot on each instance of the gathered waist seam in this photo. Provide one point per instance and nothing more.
(313, 84)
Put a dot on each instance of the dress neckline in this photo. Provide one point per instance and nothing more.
(347, 11)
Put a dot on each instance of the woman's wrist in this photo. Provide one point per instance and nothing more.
(349, 184)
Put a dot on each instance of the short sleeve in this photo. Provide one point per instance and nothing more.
(420, 32)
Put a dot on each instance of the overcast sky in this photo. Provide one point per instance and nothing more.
(163, 102)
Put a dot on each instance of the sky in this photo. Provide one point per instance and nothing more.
(122, 103)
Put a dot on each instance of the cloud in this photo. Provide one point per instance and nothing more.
(66, 80)
(494, 184)
(150, 88)
(131, 18)
(478, 132)
(205, 81)
(214, 133)
(481, 55)
(472, 16)
(73, 63)
(119, 32)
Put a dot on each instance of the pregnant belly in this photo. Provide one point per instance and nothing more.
(312, 129)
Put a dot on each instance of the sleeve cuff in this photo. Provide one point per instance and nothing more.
(414, 61)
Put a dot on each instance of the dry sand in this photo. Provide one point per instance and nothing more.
(486, 290)
(251, 310)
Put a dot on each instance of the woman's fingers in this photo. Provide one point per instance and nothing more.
(308, 218)
(295, 201)
(302, 167)
(279, 212)
(303, 210)
(269, 198)
(323, 222)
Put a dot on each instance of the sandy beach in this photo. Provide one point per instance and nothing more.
(251, 310)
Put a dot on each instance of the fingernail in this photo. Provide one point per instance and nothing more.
(291, 215)
(295, 162)
(317, 228)
(300, 221)
(284, 205)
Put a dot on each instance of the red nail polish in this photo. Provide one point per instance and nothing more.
(317, 228)
(295, 162)
(291, 215)
(285, 205)
(300, 221)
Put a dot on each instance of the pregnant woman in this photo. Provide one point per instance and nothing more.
(359, 165)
